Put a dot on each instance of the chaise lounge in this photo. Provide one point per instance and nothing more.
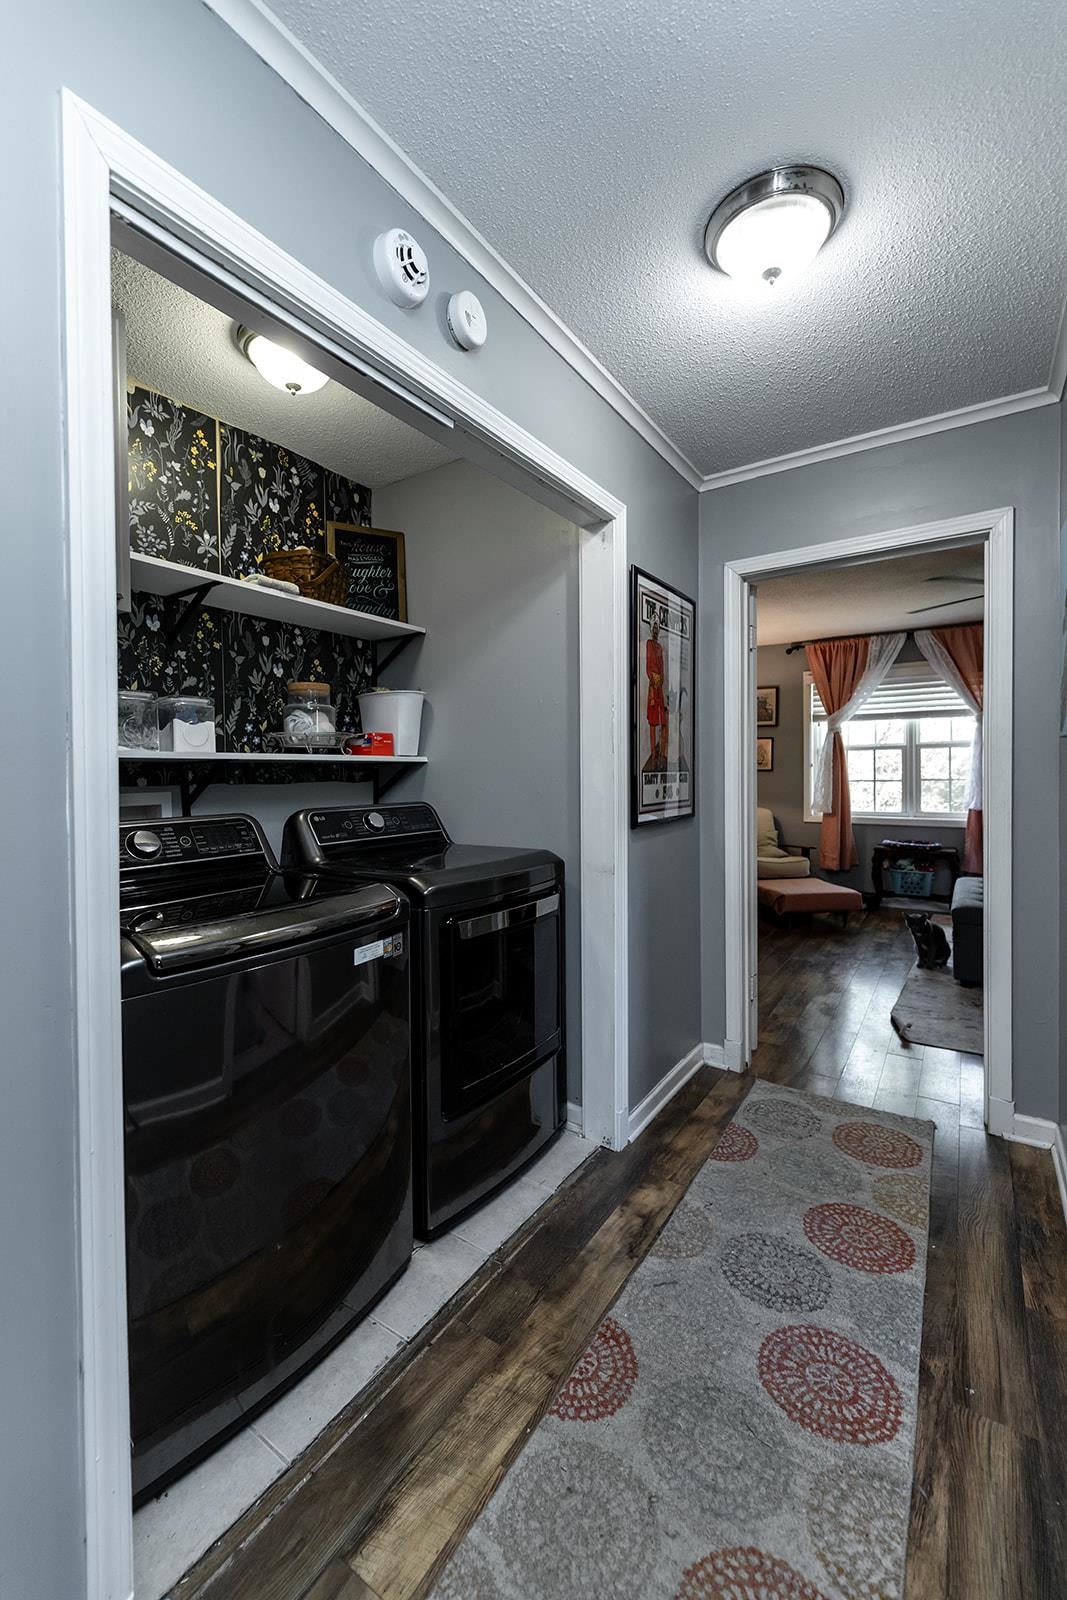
(784, 880)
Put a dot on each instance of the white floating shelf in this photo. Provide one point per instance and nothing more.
(184, 758)
(230, 594)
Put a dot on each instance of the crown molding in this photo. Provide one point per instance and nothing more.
(984, 411)
(273, 43)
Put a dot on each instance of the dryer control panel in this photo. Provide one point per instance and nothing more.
(346, 825)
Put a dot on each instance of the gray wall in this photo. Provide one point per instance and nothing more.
(1009, 462)
(493, 578)
(1063, 784)
(783, 789)
(181, 83)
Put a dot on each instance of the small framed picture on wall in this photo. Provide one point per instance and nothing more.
(767, 707)
(764, 755)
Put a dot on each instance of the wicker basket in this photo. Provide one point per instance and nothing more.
(317, 575)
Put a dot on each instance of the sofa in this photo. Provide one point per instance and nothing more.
(968, 931)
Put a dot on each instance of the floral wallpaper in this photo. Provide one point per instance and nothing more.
(214, 497)
(173, 494)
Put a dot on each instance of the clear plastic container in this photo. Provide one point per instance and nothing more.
(138, 720)
(186, 723)
(309, 718)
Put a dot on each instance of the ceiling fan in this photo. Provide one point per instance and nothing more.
(951, 577)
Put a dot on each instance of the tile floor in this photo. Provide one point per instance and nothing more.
(170, 1533)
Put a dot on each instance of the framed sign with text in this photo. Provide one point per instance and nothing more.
(663, 668)
(374, 561)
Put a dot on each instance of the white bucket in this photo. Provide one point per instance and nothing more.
(395, 711)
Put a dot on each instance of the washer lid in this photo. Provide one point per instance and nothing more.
(178, 936)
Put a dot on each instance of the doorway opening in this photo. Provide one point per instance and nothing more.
(977, 547)
(870, 928)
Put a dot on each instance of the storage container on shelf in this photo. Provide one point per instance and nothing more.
(186, 723)
(395, 711)
(138, 720)
(309, 717)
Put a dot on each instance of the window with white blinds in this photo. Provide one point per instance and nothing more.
(910, 689)
(908, 750)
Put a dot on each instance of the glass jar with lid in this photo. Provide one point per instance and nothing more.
(309, 718)
(138, 720)
(186, 722)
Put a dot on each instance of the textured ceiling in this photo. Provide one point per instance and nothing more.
(588, 141)
(183, 348)
(870, 597)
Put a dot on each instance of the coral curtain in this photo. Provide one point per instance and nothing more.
(959, 655)
(846, 674)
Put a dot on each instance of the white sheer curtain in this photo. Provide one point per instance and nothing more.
(882, 651)
(939, 658)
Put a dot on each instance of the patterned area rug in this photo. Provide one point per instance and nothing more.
(742, 1425)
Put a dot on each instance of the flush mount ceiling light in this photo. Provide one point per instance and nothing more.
(278, 365)
(774, 226)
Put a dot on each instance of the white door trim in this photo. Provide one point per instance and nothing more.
(997, 529)
(102, 164)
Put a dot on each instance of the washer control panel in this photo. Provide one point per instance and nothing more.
(189, 839)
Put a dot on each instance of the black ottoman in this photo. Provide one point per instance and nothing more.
(968, 930)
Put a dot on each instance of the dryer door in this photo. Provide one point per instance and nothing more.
(501, 997)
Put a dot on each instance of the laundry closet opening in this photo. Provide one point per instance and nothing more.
(429, 905)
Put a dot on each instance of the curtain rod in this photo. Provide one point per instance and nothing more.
(800, 644)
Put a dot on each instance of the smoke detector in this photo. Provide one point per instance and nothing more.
(402, 268)
(466, 320)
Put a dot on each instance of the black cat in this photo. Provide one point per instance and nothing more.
(932, 948)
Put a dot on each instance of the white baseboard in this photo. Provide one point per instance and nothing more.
(1002, 1118)
(1059, 1161)
(1045, 1135)
(726, 1055)
(1032, 1130)
(574, 1122)
(666, 1089)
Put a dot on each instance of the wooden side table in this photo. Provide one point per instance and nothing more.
(924, 854)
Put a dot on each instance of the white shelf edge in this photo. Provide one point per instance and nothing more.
(180, 757)
(156, 576)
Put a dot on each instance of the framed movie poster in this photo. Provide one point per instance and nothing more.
(663, 671)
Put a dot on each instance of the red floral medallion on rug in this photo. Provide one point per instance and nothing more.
(859, 1238)
(602, 1381)
(744, 1575)
(876, 1145)
(736, 1144)
(830, 1385)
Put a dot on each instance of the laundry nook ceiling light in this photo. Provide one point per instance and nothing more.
(278, 365)
(774, 226)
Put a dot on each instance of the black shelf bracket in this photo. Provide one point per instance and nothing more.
(195, 600)
(384, 781)
(192, 786)
(381, 662)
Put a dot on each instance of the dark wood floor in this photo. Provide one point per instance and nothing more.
(989, 1505)
(381, 1499)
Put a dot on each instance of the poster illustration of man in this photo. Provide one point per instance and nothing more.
(656, 708)
(662, 665)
